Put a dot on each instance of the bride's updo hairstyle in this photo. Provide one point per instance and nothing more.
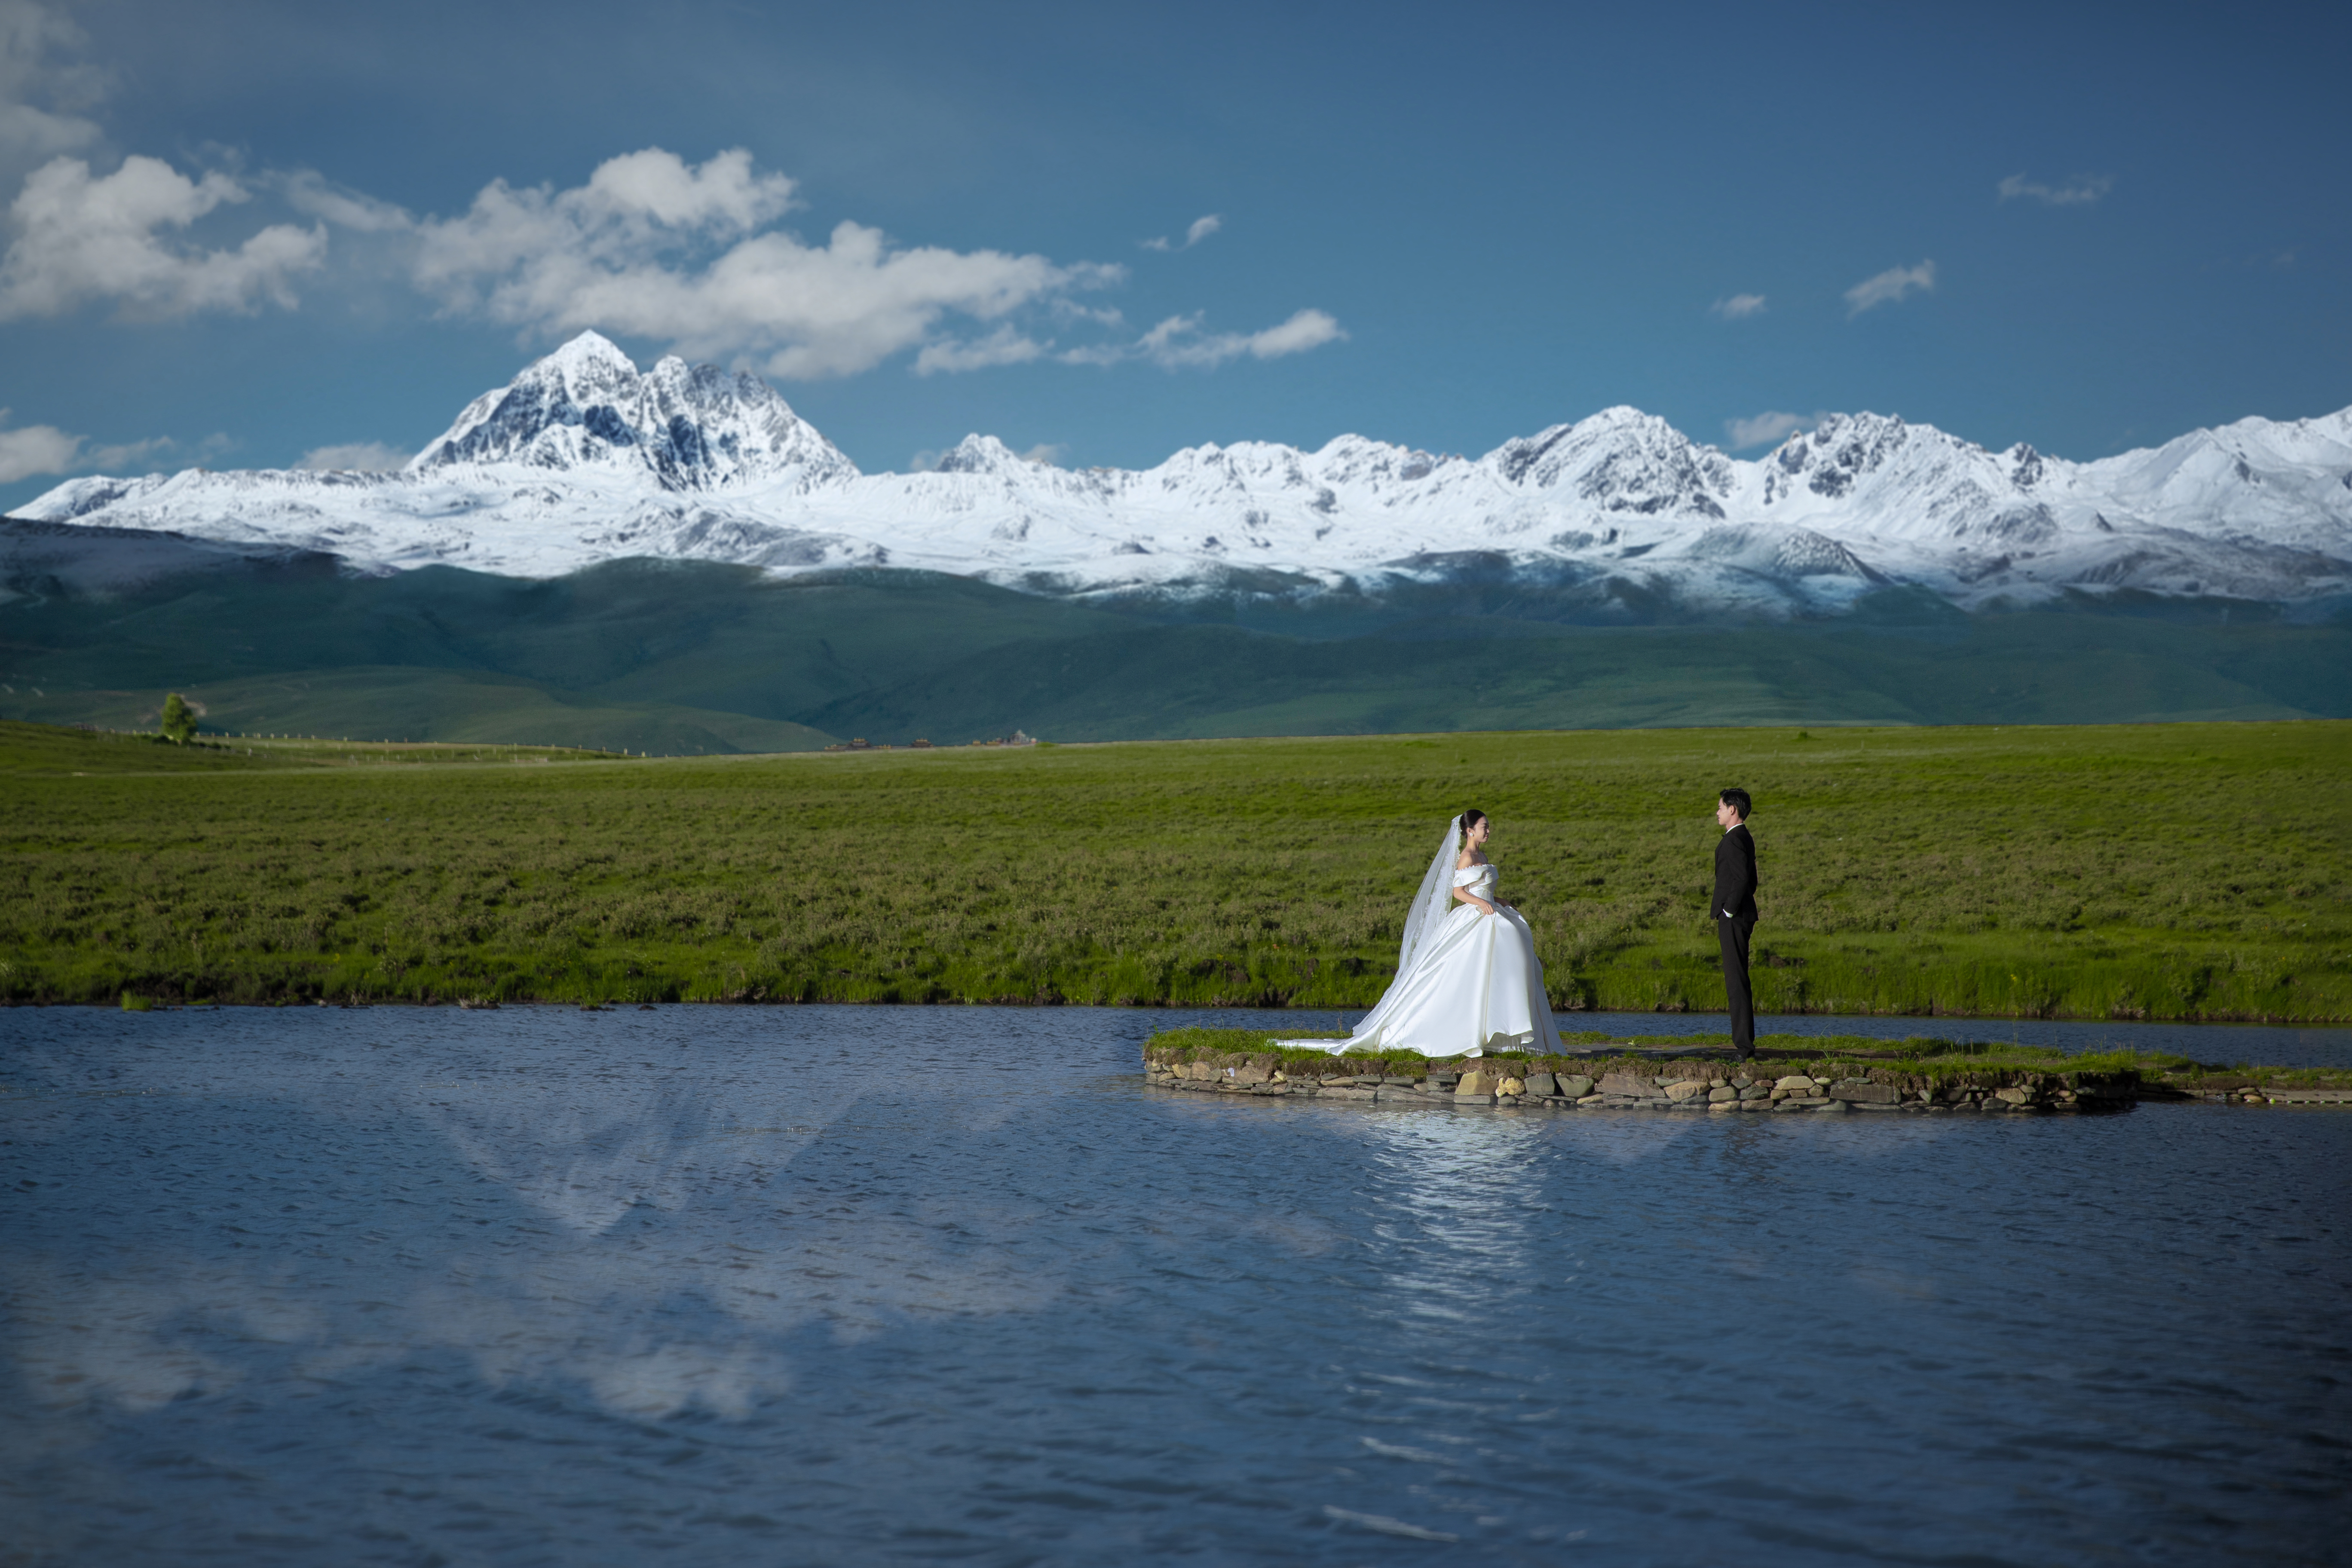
(1470, 819)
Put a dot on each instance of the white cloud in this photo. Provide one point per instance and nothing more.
(135, 454)
(79, 238)
(308, 191)
(2081, 191)
(1002, 346)
(354, 456)
(1099, 353)
(1894, 284)
(523, 254)
(1739, 307)
(1203, 227)
(654, 247)
(35, 449)
(45, 449)
(1177, 342)
(649, 246)
(1305, 330)
(1764, 429)
(1071, 311)
(39, 94)
(122, 238)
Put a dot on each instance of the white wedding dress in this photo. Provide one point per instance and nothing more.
(1466, 983)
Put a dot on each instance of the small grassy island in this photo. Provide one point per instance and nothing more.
(2130, 871)
(1698, 1073)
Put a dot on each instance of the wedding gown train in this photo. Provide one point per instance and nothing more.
(1468, 983)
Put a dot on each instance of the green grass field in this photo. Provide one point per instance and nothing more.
(2176, 871)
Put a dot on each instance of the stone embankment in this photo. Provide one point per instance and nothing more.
(1721, 1086)
(2251, 1094)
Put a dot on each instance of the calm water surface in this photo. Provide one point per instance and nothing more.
(840, 1285)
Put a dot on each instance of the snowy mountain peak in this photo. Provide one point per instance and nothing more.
(1622, 460)
(584, 458)
(590, 355)
(981, 455)
(692, 427)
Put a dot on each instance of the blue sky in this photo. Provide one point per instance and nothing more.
(242, 233)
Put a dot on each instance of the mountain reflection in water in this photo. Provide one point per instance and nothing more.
(717, 1285)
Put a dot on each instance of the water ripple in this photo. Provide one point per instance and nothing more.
(823, 1285)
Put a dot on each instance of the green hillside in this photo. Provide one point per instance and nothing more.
(396, 703)
(662, 657)
(2065, 668)
(690, 658)
(42, 751)
(47, 750)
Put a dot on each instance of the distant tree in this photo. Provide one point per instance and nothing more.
(179, 721)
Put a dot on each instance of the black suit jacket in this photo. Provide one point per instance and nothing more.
(1735, 875)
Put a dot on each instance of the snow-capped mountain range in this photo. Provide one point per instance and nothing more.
(584, 458)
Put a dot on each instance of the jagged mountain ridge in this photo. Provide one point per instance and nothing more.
(693, 427)
(584, 458)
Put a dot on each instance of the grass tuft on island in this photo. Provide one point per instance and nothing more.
(1918, 1059)
(2160, 871)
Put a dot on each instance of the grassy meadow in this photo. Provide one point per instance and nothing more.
(2174, 871)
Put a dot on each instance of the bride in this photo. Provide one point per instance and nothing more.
(1467, 978)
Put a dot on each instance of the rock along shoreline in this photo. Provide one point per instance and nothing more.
(1694, 1081)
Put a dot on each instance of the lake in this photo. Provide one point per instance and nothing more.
(713, 1285)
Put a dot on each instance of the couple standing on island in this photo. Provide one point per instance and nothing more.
(1467, 978)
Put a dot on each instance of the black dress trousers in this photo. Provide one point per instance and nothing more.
(1734, 934)
(1734, 920)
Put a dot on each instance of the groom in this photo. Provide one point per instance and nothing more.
(1735, 912)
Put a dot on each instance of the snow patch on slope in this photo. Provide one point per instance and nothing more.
(584, 458)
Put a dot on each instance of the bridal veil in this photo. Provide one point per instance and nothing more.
(1430, 908)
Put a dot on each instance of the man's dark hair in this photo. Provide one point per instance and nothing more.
(1738, 800)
